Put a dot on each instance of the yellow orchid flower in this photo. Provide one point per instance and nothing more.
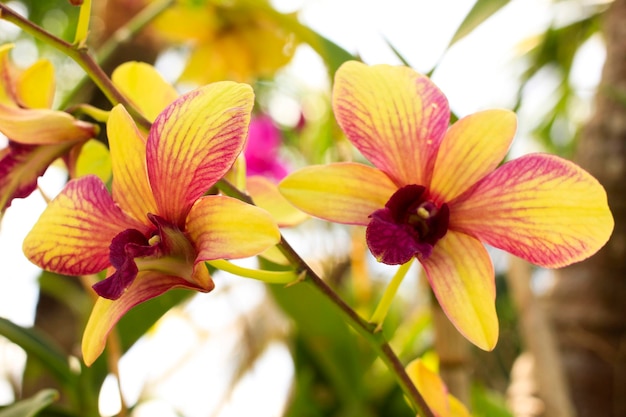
(238, 40)
(37, 135)
(437, 193)
(434, 391)
(156, 229)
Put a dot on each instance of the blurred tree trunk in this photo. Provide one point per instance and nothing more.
(588, 303)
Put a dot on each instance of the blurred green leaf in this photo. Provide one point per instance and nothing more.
(486, 403)
(555, 51)
(328, 341)
(31, 406)
(482, 10)
(41, 347)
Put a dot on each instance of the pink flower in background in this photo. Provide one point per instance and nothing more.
(261, 153)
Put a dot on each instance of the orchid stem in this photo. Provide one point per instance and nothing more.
(271, 277)
(365, 329)
(390, 292)
(80, 55)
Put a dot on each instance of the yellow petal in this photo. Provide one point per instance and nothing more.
(131, 189)
(461, 275)
(343, 192)
(394, 116)
(7, 77)
(457, 408)
(266, 195)
(226, 228)
(94, 158)
(145, 87)
(432, 388)
(542, 208)
(182, 23)
(194, 142)
(473, 147)
(36, 85)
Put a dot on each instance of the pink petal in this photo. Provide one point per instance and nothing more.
(542, 208)
(73, 234)
(394, 116)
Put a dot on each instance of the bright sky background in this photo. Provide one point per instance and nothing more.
(478, 73)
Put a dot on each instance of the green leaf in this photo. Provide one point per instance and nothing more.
(30, 406)
(482, 10)
(487, 403)
(39, 346)
(327, 341)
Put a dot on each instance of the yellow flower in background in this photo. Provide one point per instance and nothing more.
(239, 40)
(434, 391)
(37, 135)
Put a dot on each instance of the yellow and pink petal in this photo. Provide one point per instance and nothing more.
(226, 228)
(194, 142)
(539, 207)
(21, 165)
(43, 126)
(472, 148)
(396, 117)
(106, 313)
(461, 275)
(73, 234)
(343, 192)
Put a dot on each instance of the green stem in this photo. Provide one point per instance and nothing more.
(271, 277)
(365, 329)
(80, 55)
(390, 292)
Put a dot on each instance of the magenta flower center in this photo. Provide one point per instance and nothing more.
(165, 249)
(409, 225)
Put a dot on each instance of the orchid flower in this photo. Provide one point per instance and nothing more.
(243, 40)
(437, 193)
(37, 135)
(157, 228)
